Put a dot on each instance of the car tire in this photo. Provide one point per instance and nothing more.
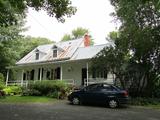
(75, 101)
(113, 103)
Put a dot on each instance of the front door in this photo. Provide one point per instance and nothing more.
(32, 75)
(57, 73)
(84, 75)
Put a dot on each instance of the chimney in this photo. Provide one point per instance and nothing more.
(86, 40)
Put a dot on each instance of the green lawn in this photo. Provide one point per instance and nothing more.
(27, 99)
(153, 106)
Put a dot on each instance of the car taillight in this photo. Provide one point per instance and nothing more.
(125, 93)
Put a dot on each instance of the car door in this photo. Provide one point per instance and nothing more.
(108, 92)
(92, 94)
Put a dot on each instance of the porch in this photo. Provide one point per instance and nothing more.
(75, 72)
(71, 72)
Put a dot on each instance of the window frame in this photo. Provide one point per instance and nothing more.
(55, 54)
(37, 55)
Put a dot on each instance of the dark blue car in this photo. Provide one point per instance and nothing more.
(100, 93)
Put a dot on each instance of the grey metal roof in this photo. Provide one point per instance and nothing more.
(46, 52)
(69, 50)
(87, 52)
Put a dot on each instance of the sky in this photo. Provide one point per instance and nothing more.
(91, 14)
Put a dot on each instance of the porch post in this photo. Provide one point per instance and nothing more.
(7, 77)
(40, 74)
(22, 78)
(61, 72)
(87, 73)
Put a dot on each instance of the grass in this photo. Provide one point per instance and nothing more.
(153, 106)
(27, 99)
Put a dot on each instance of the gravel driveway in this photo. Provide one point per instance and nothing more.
(64, 111)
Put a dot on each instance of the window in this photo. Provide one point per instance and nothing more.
(48, 75)
(37, 55)
(24, 76)
(99, 74)
(54, 53)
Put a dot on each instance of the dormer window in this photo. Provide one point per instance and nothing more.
(54, 53)
(37, 55)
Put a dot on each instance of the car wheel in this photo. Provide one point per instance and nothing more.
(75, 101)
(113, 103)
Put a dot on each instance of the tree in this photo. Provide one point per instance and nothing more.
(76, 33)
(112, 36)
(15, 47)
(79, 32)
(28, 43)
(8, 36)
(66, 37)
(12, 51)
(140, 33)
(10, 9)
(137, 46)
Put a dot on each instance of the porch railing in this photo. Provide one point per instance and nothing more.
(25, 83)
(17, 82)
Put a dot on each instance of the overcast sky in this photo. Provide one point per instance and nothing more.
(91, 14)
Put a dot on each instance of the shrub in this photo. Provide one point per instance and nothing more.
(1, 78)
(54, 94)
(50, 88)
(156, 90)
(2, 94)
(144, 101)
(2, 86)
(13, 90)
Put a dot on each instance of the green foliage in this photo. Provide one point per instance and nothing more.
(50, 88)
(13, 90)
(28, 43)
(31, 92)
(140, 35)
(156, 90)
(10, 9)
(144, 101)
(66, 37)
(2, 85)
(112, 36)
(134, 58)
(8, 45)
(77, 33)
(1, 79)
(54, 94)
(12, 50)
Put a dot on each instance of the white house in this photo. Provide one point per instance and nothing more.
(68, 61)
